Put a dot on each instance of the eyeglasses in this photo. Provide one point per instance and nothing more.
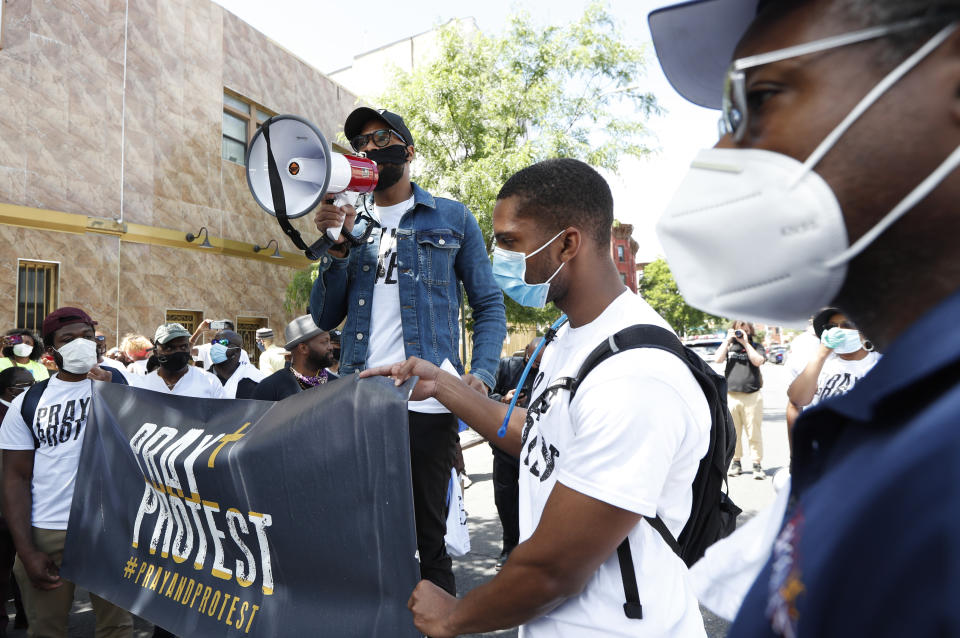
(846, 325)
(733, 120)
(222, 342)
(380, 137)
(22, 386)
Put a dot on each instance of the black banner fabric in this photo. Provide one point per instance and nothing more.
(249, 518)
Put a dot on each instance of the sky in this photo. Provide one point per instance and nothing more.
(328, 34)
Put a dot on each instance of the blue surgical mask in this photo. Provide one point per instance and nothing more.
(842, 340)
(218, 353)
(510, 270)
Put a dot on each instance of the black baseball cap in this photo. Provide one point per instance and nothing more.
(821, 318)
(359, 117)
(695, 41)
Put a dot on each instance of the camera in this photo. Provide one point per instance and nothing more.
(738, 334)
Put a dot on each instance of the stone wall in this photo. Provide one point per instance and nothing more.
(115, 111)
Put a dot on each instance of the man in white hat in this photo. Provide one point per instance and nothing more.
(272, 356)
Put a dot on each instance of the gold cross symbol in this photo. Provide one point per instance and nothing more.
(227, 438)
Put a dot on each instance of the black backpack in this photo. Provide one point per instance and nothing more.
(713, 515)
(32, 396)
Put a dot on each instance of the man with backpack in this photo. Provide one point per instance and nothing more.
(607, 452)
(41, 437)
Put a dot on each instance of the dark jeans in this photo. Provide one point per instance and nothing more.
(506, 494)
(433, 440)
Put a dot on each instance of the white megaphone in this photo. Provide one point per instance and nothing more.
(305, 172)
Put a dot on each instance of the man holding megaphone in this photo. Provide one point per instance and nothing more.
(400, 294)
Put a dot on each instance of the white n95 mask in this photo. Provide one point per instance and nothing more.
(759, 236)
(741, 242)
(79, 356)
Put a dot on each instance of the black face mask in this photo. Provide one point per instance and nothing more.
(390, 162)
(173, 362)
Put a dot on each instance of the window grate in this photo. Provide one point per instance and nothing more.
(37, 287)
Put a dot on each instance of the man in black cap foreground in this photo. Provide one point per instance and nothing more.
(41, 437)
(310, 353)
(400, 294)
(842, 139)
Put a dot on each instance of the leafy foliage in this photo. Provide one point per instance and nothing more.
(660, 290)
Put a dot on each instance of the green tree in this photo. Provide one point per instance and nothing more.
(488, 105)
(660, 290)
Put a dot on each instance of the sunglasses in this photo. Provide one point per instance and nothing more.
(846, 325)
(380, 137)
(222, 342)
(735, 103)
(23, 386)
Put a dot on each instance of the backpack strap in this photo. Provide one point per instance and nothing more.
(28, 409)
(632, 608)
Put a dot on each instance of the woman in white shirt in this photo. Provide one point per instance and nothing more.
(843, 358)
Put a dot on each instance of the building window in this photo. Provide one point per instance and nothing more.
(189, 319)
(38, 285)
(620, 253)
(241, 118)
(247, 329)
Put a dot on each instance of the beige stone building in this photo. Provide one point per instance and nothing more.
(122, 129)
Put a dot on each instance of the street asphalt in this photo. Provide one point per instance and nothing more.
(479, 565)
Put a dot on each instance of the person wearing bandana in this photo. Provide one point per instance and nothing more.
(310, 353)
(400, 295)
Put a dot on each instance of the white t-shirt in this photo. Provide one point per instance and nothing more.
(60, 423)
(272, 359)
(241, 373)
(203, 354)
(386, 331)
(107, 362)
(838, 376)
(138, 367)
(632, 437)
(195, 383)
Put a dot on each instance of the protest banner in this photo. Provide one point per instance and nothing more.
(249, 518)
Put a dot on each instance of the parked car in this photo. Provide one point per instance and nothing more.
(777, 354)
(705, 347)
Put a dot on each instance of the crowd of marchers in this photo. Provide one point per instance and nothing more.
(837, 160)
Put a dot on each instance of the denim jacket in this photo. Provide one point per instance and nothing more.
(439, 244)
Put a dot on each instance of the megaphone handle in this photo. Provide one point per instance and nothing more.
(341, 199)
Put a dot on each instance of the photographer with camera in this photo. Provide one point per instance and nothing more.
(743, 358)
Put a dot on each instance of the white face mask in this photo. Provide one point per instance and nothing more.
(758, 235)
(79, 356)
(22, 350)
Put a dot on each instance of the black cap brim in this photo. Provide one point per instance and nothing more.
(695, 42)
(360, 116)
(356, 120)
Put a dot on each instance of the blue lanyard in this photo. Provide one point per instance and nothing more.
(547, 338)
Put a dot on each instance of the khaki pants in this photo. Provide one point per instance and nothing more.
(747, 412)
(48, 610)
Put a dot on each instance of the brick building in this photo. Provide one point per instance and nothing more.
(122, 129)
(624, 248)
